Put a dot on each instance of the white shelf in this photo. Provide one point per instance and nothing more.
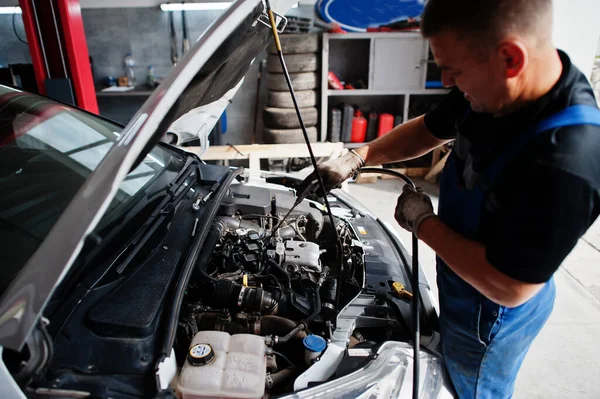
(408, 48)
(370, 35)
(335, 93)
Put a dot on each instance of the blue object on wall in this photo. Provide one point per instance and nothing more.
(434, 84)
(224, 122)
(358, 15)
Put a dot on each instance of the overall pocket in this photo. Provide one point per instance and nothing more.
(489, 320)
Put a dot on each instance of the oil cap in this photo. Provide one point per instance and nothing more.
(201, 354)
(314, 343)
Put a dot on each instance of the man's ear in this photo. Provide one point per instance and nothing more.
(515, 57)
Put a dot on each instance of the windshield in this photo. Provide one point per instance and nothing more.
(47, 151)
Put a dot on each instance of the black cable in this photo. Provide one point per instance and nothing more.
(15, 30)
(284, 358)
(414, 283)
(415, 313)
(317, 309)
(382, 171)
(310, 151)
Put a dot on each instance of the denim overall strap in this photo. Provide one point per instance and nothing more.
(483, 343)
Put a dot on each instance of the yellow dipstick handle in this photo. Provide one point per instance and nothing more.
(400, 290)
(274, 28)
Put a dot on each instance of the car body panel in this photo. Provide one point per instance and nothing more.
(22, 303)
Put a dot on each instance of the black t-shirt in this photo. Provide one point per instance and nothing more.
(548, 195)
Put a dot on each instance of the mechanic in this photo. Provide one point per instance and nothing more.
(519, 189)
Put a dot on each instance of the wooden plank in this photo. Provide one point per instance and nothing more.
(437, 169)
(368, 178)
(410, 172)
(262, 151)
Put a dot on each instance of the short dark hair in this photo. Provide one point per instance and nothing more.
(489, 20)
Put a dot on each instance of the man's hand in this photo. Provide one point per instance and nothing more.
(413, 208)
(334, 172)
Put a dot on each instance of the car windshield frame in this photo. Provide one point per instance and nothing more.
(47, 151)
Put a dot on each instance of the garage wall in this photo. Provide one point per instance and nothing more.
(12, 51)
(111, 33)
(577, 29)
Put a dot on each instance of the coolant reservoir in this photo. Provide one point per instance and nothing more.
(220, 365)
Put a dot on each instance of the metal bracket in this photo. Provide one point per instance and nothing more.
(264, 19)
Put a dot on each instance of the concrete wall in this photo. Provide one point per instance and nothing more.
(113, 32)
(12, 51)
(577, 29)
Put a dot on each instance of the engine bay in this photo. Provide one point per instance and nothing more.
(209, 273)
(283, 285)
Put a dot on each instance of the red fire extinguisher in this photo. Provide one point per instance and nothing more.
(359, 127)
(386, 123)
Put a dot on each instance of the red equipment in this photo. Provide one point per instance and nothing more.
(386, 123)
(334, 81)
(359, 127)
(60, 60)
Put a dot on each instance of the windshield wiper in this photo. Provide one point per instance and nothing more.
(175, 193)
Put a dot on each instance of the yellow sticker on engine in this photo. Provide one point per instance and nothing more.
(362, 230)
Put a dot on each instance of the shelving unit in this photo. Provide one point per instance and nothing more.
(395, 68)
(132, 93)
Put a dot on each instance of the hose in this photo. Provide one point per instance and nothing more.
(211, 321)
(275, 267)
(382, 171)
(282, 376)
(317, 309)
(278, 325)
(281, 355)
(269, 325)
(414, 282)
(304, 323)
(212, 239)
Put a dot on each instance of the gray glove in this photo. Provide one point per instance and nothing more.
(334, 172)
(413, 208)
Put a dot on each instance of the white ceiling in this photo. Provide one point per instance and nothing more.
(127, 3)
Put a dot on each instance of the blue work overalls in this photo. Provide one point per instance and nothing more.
(483, 343)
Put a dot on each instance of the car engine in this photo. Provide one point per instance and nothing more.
(283, 285)
(215, 301)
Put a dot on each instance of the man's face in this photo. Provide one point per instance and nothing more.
(478, 73)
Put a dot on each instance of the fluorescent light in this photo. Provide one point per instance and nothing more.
(195, 6)
(10, 10)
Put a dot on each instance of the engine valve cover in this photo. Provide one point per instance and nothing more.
(303, 254)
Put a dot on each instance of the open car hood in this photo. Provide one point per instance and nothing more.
(210, 71)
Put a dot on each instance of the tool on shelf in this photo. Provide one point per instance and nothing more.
(173, 40)
(185, 45)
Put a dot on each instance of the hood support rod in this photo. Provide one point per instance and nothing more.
(310, 151)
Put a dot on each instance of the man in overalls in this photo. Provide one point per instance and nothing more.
(520, 188)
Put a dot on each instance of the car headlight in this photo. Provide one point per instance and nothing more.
(388, 376)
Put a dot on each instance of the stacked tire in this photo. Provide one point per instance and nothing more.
(280, 120)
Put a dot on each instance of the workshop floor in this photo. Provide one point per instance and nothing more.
(564, 361)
